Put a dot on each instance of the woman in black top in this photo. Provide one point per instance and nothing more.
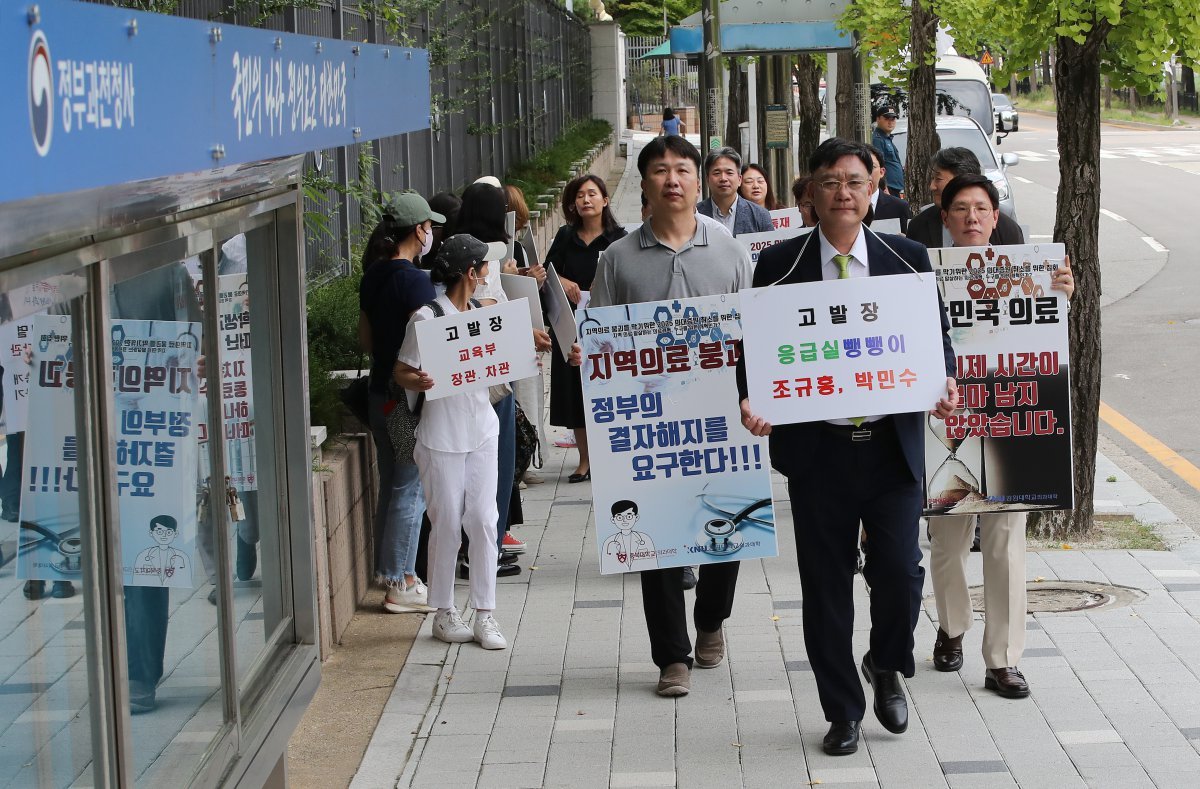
(590, 228)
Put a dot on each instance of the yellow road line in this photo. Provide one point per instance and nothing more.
(1153, 447)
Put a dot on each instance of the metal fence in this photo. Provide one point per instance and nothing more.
(653, 82)
(508, 76)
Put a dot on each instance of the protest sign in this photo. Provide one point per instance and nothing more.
(14, 344)
(471, 350)
(155, 393)
(562, 318)
(843, 348)
(237, 376)
(786, 218)
(886, 226)
(1009, 446)
(529, 244)
(517, 286)
(676, 479)
(757, 242)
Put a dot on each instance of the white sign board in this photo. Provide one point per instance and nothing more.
(786, 218)
(562, 318)
(757, 242)
(518, 286)
(476, 349)
(676, 479)
(886, 226)
(843, 348)
(14, 344)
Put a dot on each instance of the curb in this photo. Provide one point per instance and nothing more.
(1184, 126)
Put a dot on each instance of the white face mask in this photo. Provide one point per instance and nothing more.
(428, 245)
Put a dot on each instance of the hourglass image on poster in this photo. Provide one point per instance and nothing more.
(1008, 447)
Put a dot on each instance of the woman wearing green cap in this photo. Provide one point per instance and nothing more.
(393, 288)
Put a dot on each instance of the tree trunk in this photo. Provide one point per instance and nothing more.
(778, 161)
(1188, 78)
(1077, 225)
(1035, 83)
(739, 108)
(1047, 76)
(808, 110)
(922, 133)
(1108, 92)
(847, 115)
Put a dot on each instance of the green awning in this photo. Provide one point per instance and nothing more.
(663, 50)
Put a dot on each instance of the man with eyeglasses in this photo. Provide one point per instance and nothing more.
(970, 210)
(844, 471)
(927, 227)
(723, 172)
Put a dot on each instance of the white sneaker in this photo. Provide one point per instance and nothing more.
(404, 598)
(449, 627)
(533, 478)
(487, 632)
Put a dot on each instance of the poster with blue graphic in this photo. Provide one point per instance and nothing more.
(676, 479)
(155, 388)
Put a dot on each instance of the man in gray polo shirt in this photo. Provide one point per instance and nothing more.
(673, 256)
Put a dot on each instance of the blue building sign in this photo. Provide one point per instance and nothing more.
(94, 95)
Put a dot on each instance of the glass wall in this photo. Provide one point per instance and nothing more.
(165, 653)
(45, 717)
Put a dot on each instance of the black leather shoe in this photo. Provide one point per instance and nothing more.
(506, 557)
(1007, 682)
(947, 652)
(891, 707)
(502, 570)
(841, 739)
(689, 578)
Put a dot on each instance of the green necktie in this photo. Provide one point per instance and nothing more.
(843, 264)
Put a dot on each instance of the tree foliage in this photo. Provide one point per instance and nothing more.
(645, 17)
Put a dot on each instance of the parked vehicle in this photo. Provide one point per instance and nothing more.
(1007, 118)
(966, 133)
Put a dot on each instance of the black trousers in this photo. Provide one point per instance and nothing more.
(868, 481)
(146, 612)
(666, 617)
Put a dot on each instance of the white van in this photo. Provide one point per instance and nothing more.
(962, 89)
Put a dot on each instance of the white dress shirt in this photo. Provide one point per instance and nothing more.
(858, 268)
(729, 219)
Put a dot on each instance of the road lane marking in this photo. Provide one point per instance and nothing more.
(1037, 236)
(1111, 215)
(1157, 247)
(1022, 180)
(1107, 155)
(1151, 445)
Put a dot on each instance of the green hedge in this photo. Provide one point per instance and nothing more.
(551, 165)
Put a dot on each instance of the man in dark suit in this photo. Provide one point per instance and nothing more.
(883, 205)
(723, 172)
(844, 471)
(927, 227)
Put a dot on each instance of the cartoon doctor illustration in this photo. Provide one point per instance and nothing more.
(161, 559)
(627, 550)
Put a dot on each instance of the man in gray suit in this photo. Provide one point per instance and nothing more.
(723, 172)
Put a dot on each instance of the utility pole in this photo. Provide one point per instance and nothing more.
(711, 77)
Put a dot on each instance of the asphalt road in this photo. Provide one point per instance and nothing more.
(1150, 278)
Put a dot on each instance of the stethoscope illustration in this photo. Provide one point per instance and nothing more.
(69, 547)
(721, 536)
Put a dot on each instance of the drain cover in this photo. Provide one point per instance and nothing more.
(1061, 596)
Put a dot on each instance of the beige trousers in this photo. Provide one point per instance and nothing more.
(1002, 541)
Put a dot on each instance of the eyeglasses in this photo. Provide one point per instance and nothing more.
(964, 210)
(832, 185)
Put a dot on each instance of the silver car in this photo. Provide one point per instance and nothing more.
(1007, 117)
(956, 131)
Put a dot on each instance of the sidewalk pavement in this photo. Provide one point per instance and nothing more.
(571, 703)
